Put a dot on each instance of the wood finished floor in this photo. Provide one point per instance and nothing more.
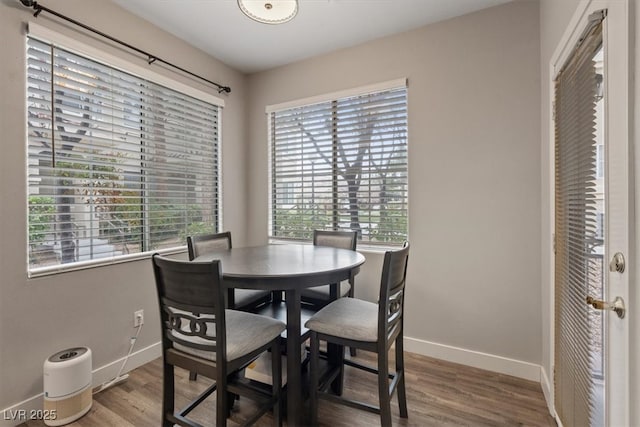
(439, 393)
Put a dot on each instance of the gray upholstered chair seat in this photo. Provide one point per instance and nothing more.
(249, 297)
(246, 332)
(348, 318)
(323, 292)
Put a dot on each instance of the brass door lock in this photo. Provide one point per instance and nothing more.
(617, 263)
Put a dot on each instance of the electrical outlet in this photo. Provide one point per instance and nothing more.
(138, 318)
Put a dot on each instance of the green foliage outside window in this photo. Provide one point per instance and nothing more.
(300, 221)
(391, 225)
(41, 214)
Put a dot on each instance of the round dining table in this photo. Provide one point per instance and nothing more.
(289, 268)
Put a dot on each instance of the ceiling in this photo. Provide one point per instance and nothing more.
(219, 28)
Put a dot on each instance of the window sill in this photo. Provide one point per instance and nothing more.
(362, 247)
(85, 265)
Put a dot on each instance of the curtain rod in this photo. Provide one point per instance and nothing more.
(151, 58)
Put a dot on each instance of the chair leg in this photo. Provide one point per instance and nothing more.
(277, 297)
(383, 388)
(222, 398)
(168, 387)
(276, 389)
(193, 376)
(352, 294)
(402, 395)
(335, 354)
(313, 392)
(231, 399)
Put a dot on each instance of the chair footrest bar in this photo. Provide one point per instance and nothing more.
(357, 365)
(327, 377)
(395, 380)
(182, 421)
(198, 400)
(351, 403)
(250, 390)
(364, 367)
(263, 409)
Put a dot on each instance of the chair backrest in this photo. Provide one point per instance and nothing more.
(191, 301)
(392, 284)
(205, 243)
(336, 239)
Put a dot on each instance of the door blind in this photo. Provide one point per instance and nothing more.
(341, 165)
(118, 165)
(577, 262)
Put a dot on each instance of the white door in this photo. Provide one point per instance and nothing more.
(607, 392)
(619, 198)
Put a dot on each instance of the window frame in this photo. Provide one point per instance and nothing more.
(325, 98)
(76, 47)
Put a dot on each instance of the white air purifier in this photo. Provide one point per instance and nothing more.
(67, 386)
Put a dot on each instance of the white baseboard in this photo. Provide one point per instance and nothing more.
(28, 409)
(108, 372)
(546, 389)
(490, 362)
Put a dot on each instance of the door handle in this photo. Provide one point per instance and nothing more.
(617, 305)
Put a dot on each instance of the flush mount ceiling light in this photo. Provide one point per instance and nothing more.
(269, 11)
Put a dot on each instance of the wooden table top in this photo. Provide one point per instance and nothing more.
(289, 265)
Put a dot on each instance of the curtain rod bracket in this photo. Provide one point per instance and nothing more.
(150, 58)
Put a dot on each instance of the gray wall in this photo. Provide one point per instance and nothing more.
(92, 307)
(474, 171)
(634, 292)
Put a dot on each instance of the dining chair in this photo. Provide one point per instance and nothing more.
(200, 335)
(319, 296)
(243, 299)
(370, 327)
(240, 299)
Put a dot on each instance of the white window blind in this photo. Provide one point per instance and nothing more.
(341, 164)
(579, 265)
(117, 164)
